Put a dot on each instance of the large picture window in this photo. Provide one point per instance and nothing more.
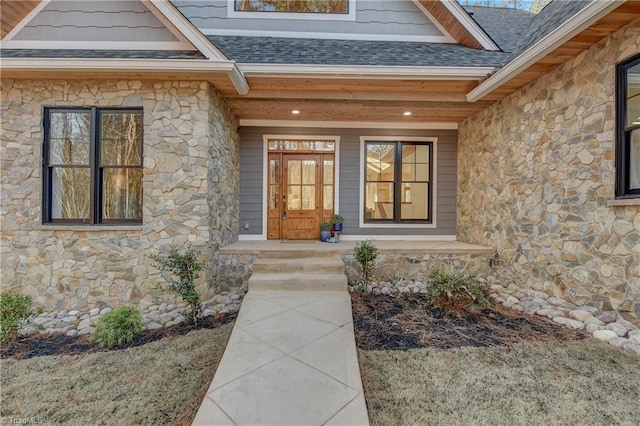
(398, 182)
(92, 166)
(628, 124)
(293, 6)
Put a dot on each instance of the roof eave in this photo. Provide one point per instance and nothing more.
(573, 26)
(89, 65)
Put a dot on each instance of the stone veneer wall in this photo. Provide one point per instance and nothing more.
(189, 193)
(535, 172)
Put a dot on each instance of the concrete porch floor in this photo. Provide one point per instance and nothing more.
(346, 247)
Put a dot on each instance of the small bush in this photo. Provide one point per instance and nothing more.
(325, 226)
(118, 327)
(365, 254)
(15, 312)
(456, 292)
(186, 267)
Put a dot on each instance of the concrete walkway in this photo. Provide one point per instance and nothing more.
(291, 360)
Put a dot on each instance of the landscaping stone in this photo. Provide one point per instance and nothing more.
(580, 315)
(632, 347)
(618, 342)
(569, 323)
(634, 336)
(619, 329)
(605, 335)
(591, 328)
(592, 320)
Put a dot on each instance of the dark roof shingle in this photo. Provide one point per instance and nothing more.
(506, 26)
(304, 51)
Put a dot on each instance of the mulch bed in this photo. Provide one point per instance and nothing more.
(409, 321)
(43, 344)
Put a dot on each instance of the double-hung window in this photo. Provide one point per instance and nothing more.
(628, 126)
(92, 166)
(398, 182)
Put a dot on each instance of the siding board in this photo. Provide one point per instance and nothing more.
(252, 164)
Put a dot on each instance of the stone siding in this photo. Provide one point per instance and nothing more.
(189, 193)
(535, 172)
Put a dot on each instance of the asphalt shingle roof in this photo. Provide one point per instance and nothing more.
(550, 18)
(506, 26)
(100, 54)
(278, 50)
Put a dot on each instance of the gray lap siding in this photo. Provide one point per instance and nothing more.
(252, 163)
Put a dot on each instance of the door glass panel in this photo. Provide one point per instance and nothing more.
(301, 145)
(308, 172)
(308, 197)
(415, 198)
(327, 197)
(293, 198)
(274, 171)
(328, 172)
(294, 177)
(274, 197)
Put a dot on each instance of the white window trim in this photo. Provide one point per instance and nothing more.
(434, 164)
(351, 16)
(265, 177)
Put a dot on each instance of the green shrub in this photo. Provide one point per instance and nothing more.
(456, 292)
(15, 312)
(186, 267)
(118, 327)
(337, 218)
(325, 226)
(366, 253)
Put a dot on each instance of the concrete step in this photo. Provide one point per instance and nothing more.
(298, 281)
(299, 253)
(312, 265)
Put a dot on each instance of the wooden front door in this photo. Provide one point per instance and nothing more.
(300, 194)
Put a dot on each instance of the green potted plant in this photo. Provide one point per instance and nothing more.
(325, 231)
(337, 220)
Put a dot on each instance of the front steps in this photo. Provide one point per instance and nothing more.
(305, 269)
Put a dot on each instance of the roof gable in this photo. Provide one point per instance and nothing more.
(141, 25)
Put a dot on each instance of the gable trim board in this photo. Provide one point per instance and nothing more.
(136, 65)
(364, 71)
(96, 45)
(573, 26)
(328, 36)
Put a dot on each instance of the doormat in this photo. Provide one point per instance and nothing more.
(297, 241)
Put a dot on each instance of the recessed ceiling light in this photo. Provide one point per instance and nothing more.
(406, 113)
(295, 111)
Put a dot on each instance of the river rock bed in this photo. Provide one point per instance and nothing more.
(80, 322)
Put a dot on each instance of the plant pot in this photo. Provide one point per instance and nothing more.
(337, 227)
(324, 236)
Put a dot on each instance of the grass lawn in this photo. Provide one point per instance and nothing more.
(162, 382)
(439, 379)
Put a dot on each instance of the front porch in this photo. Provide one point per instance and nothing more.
(313, 265)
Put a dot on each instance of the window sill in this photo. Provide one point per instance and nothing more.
(89, 228)
(623, 202)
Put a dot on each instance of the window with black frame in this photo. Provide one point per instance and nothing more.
(398, 182)
(92, 166)
(628, 125)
